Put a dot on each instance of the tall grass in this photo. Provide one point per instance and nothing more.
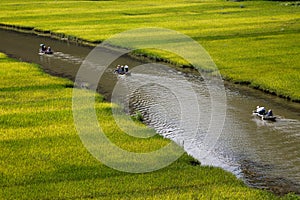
(252, 42)
(42, 156)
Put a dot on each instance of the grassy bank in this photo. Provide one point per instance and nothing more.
(252, 42)
(42, 156)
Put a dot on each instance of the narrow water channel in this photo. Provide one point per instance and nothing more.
(264, 154)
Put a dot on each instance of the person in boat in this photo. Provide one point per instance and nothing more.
(122, 69)
(260, 110)
(43, 48)
(126, 68)
(118, 69)
(269, 113)
(48, 50)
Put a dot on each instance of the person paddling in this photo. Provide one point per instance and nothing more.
(117, 70)
(269, 113)
(49, 50)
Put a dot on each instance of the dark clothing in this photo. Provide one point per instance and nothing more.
(262, 112)
(270, 113)
(117, 70)
(44, 48)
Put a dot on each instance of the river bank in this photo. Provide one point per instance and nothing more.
(141, 56)
(252, 44)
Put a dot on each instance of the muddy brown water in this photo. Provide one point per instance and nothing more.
(264, 154)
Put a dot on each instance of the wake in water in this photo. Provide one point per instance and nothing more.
(264, 154)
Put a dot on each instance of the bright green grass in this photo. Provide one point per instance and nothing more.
(42, 156)
(253, 42)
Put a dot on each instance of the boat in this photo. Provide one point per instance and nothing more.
(264, 117)
(123, 74)
(43, 50)
(122, 70)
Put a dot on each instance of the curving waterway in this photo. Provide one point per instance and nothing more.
(263, 154)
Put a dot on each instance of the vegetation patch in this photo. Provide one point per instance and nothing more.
(252, 42)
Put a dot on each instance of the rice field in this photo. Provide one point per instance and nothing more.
(42, 156)
(252, 42)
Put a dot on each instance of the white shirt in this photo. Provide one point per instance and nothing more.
(260, 109)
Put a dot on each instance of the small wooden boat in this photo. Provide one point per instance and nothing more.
(264, 117)
(123, 74)
(45, 52)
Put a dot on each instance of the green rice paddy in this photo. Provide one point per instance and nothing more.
(252, 42)
(42, 156)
